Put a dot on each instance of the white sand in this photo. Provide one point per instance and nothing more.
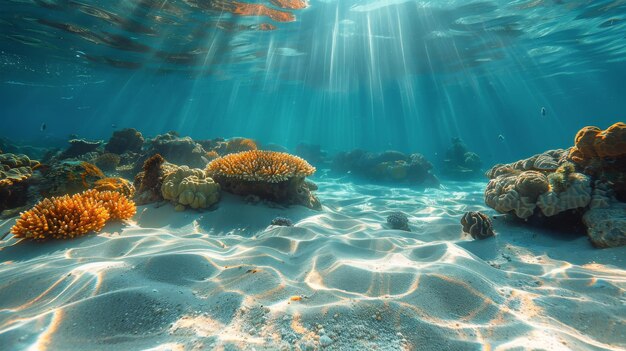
(224, 280)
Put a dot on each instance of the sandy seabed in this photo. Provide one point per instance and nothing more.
(337, 280)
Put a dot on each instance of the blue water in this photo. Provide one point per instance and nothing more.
(400, 74)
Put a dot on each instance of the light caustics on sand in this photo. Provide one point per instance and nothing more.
(339, 274)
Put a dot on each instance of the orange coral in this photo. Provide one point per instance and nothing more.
(70, 216)
(119, 206)
(119, 185)
(584, 141)
(240, 144)
(90, 170)
(612, 141)
(290, 4)
(265, 166)
(211, 155)
(244, 9)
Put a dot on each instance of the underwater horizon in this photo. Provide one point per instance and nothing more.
(313, 175)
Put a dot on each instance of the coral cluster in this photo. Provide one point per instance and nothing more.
(190, 187)
(602, 155)
(15, 168)
(107, 161)
(80, 147)
(15, 174)
(459, 162)
(591, 142)
(179, 151)
(391, 166)
(477, 224)
(544, 181)
(585, 181)
(270, 175)
(148, 182)
(125, 140)
(70, 216)
(116, 184)
(69, 177)
(264, 166)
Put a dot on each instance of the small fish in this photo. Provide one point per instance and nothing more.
(113, 125)
(43, 127)
(501, 137)
(543, 111)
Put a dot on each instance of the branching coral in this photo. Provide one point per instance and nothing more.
(270, 175)
(70, 216)
(119, 185)
(266, 166)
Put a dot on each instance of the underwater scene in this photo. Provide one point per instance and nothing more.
(312, 175)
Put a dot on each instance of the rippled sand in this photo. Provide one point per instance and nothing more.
(337, 280)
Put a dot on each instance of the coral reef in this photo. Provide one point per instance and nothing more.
(107, 161)
(282, 222)
(584, 182)
(70, 216)
(190, 187)
(15, 174)
(69, 177)
(525, 185)
(477, 224)
(80, 147)
(459, 162)
(265, 166)
(119, 185)
(125, 140)
(602, 155)
(274, 176)
(180, 151)
(388, 166)
(399, 221)
(148, 182)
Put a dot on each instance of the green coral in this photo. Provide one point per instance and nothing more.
(561, 179)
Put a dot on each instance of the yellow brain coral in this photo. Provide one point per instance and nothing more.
(70, 216)
(190, 187)
(263, 166)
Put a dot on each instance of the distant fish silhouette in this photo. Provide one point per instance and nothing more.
(43, 127)
(543, 111)
(501, 137)
(113, 125)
